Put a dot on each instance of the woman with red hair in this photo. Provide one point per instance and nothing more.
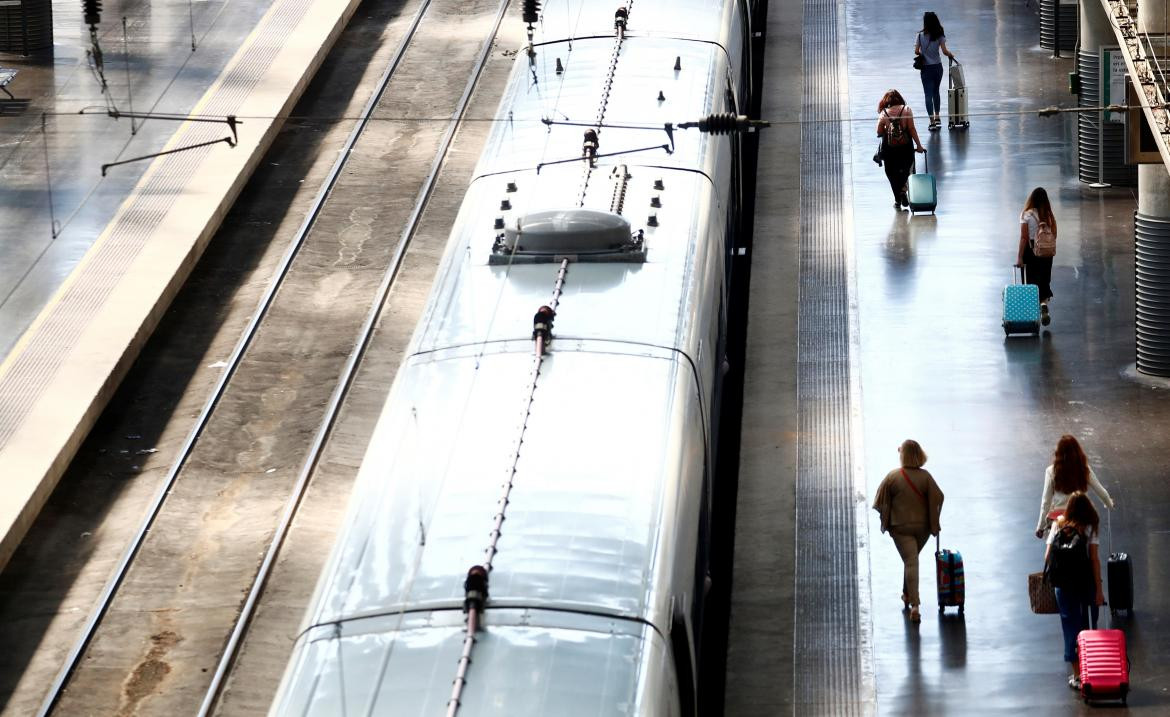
(899, 142)
(1069, 473)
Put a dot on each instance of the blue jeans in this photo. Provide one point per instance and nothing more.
(931, 80)
(1078, 611)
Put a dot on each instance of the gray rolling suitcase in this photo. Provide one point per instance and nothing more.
(957, 117)
(921, 191)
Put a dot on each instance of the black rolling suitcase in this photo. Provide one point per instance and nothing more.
(1119, 572)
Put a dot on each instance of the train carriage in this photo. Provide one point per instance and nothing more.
(571, 455)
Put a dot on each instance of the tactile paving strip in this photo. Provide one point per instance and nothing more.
(34, 369)
(829, 646)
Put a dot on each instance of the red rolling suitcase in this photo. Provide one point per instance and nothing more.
(1104, 665)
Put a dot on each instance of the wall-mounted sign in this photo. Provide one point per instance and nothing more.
(1113, 74)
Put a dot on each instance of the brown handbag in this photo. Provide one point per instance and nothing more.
(1041, 596)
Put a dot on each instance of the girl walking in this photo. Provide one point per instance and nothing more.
(931, 44)
(900, 140)
(1037, 246)
(1072, 565)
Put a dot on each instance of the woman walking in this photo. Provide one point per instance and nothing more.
(1069, 473)
(909, 502)
(900, 140)
(1037, 246)
(931, 44)
(1072, 565)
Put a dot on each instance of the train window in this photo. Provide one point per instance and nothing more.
(579, 234)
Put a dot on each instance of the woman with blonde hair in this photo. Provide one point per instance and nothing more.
(1069, 473)
(1072, 566)
(909, 502)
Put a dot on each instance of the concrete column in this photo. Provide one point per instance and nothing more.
(1100, 146)
(1095, 30)
(1152, 241)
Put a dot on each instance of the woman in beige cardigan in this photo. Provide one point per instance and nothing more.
(909, 502)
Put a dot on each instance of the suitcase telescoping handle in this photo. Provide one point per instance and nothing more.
(925, 163)
(1109, 527)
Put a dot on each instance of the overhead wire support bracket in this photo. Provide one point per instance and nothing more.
(228, 140)
(230, 120)
(589, 158)
(714, 124)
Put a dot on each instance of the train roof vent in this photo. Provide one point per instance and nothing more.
(578, 234)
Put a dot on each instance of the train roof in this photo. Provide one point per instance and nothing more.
(543, 110)
(671, 201)
(590, 504)
(526, 663)
(700, 20)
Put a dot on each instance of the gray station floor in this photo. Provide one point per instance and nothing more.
(930, 362)
(56, 135)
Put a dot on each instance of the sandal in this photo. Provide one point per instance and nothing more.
(914, 614)
(1074, 681)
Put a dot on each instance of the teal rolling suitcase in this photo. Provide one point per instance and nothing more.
(1021, 308)
(920, 189)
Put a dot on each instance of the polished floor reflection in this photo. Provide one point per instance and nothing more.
(54, 198)
(935, 366)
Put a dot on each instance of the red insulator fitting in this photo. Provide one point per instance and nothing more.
(542, 323)
(475, 588)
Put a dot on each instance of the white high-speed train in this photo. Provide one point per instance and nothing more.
(528, 531)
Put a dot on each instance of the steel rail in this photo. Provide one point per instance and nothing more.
(348, 374)
(107, 595)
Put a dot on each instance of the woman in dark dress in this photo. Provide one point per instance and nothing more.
(899, 142)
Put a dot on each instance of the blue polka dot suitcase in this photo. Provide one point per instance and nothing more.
(1021, 308)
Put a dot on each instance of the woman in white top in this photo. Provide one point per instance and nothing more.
(1037, 269)
(1069, 473)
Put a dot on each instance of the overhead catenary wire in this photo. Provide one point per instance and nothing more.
(1046, 111)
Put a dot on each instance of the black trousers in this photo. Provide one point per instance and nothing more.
(1038, 271)
(898, 163)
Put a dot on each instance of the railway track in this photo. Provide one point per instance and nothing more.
(171, 618)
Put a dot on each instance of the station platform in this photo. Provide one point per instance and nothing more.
(868, 326)
(92, 255)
